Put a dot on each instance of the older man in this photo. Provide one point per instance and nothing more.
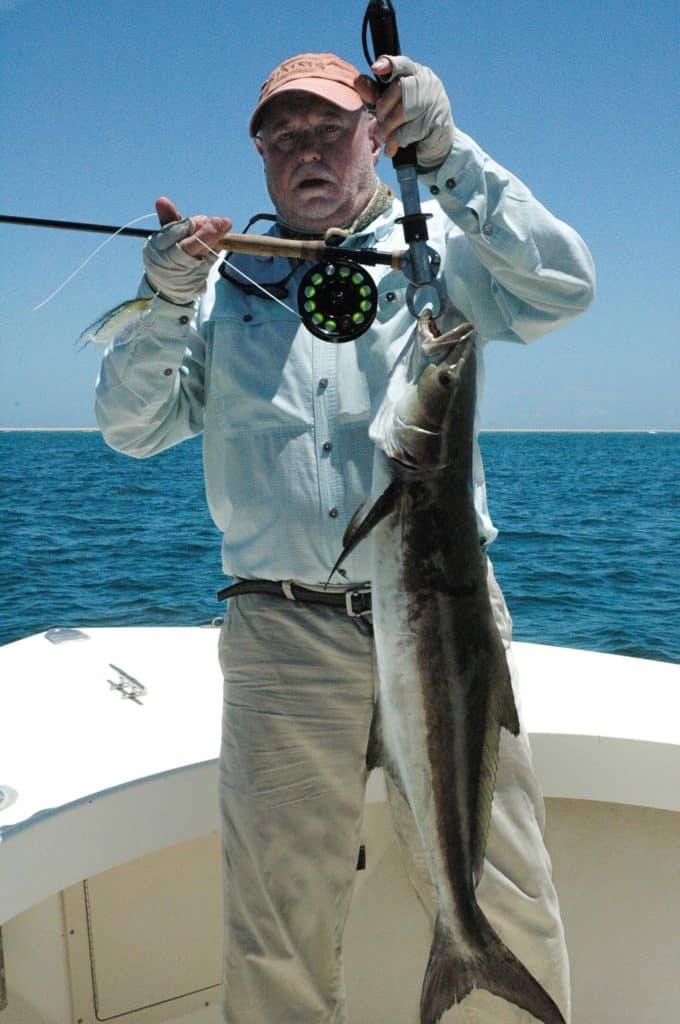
(287, 461)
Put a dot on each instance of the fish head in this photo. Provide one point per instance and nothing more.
(426, 417)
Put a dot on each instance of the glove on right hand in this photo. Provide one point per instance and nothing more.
(174, 274)
(427, 112)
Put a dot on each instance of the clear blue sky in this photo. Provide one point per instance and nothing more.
(107, 105)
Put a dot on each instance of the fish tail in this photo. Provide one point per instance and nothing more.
(452, 974)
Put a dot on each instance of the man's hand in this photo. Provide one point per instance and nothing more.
(414, 108)
(176, 262)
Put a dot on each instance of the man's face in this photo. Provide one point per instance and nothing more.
(319, 160)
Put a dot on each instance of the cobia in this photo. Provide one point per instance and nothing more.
(445, 688)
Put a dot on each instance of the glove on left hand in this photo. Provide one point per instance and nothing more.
(174, 273)
(427, 111)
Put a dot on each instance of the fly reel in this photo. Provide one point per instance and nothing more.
(338, 300)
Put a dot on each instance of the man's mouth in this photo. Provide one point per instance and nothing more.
(310, 183)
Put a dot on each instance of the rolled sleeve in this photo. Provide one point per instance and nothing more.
(541, 273)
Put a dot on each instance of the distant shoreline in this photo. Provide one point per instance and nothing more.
(50, 430)
(484, 430)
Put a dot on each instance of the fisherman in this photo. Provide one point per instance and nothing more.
(287, 460)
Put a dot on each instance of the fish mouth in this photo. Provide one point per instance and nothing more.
(452, 353)
(453, 345)
(426, 395)
(448, 350)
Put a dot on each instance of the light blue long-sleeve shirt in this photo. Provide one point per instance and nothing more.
(285, 415)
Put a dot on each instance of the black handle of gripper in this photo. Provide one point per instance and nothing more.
(382, 20)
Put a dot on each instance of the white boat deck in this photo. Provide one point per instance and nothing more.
(76, 760)
(102, 798)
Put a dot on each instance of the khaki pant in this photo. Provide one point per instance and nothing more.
(300, 689)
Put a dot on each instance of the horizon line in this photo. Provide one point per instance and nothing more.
(482, 430)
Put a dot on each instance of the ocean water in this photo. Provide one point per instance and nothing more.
(588, 553)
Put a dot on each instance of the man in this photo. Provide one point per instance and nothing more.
(287, 460)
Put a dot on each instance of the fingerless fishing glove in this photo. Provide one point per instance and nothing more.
(427, 110)
(176, 275)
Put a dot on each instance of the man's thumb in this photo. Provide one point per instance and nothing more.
(167, 211)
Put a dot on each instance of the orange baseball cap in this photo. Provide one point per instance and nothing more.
(322, 74)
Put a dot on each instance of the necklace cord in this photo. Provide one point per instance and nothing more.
(222, 258)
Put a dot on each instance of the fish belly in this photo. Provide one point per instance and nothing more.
(403, 705)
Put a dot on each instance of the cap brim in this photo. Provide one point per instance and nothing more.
(335, 92)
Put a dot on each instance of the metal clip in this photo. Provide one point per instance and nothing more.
(349, 602)
(128, 687)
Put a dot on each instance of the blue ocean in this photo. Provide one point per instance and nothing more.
(588, 553)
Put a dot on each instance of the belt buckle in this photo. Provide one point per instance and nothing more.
(349, 602)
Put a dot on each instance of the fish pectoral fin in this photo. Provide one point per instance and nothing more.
(365, 518)
(369, 515)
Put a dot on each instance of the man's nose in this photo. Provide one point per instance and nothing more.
(308, 147)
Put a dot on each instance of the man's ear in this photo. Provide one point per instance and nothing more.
(259, 146)
(373, 138)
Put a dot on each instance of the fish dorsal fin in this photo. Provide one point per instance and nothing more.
(365, 518)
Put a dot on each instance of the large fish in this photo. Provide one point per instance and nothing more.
(445, 689)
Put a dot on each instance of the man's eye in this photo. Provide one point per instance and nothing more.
(284, 140)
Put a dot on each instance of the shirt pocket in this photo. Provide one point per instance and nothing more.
(259, 375)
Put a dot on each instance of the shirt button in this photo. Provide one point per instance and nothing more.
(323, 383)
(327, 446)
(333, 512)
(487, 230)
(247, 317)
(167, 372)
(184, 319)
(450, 183)
(434, 190)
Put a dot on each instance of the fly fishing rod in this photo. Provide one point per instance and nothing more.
(337, 298)
(75, 225)
(254, 245)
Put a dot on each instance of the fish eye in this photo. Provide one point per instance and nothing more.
(445, 378)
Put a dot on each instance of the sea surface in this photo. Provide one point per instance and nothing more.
(588, 554)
